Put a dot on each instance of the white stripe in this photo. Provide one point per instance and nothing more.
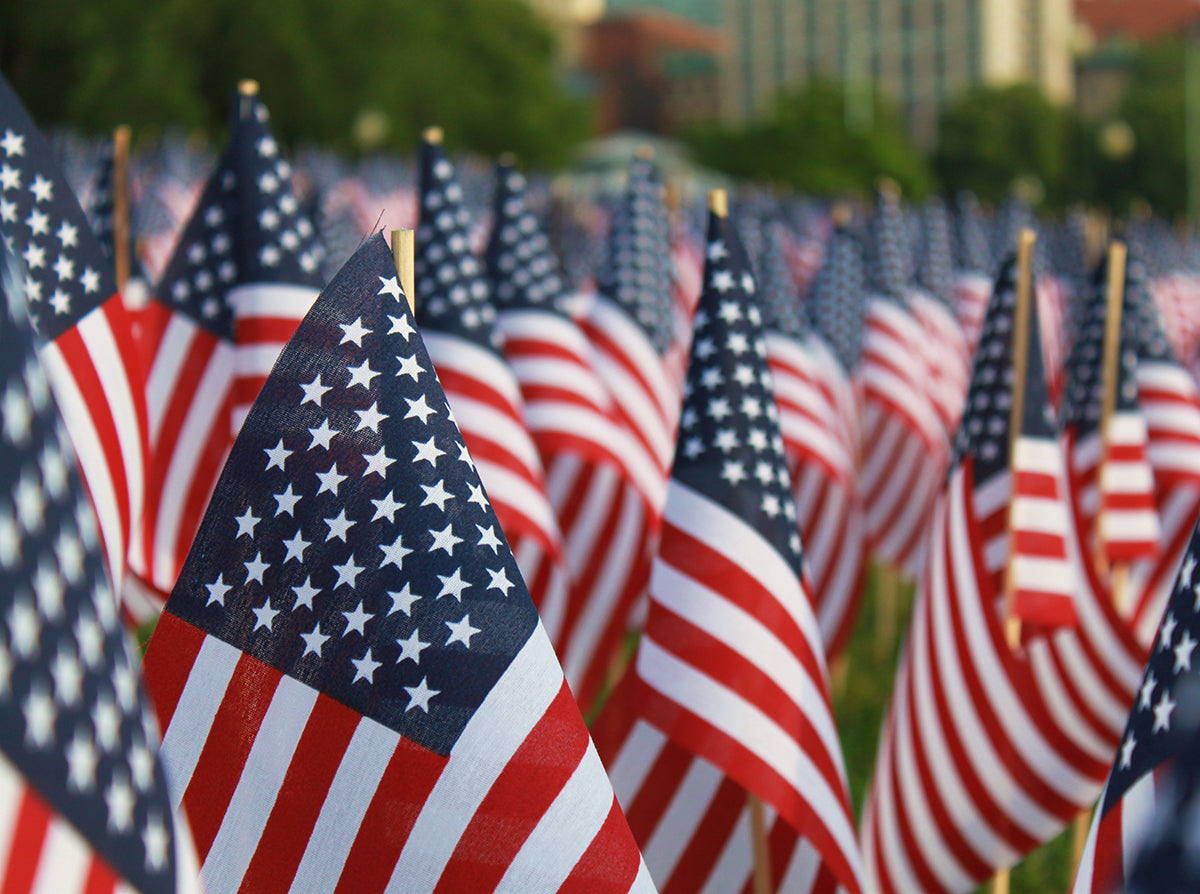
(733, 868)
(477, 419)
(172, 351)
(753, 729)
(273, 300)
(354, 785)
(884, 811)
(1124, 525)
(559, 372)
(673, 833)
(745, 635)
(1041, 514)
(634, 760)
(1126, 477)
(1061, 704)
(497, 729)
(255, 361)
(801, 872)
(12, 789)
(202, 695)
(1038, 455)
(258, 786)
(610, 319)
(452, 353)
(1182, 457)
(564, 832)
(93, 463)
(1044, 575)
(64, 861)
(508, 489)
(1087, 860)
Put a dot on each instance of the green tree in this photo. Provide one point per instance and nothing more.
(808, 144)
(482, 69)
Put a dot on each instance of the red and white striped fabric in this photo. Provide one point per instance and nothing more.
(971, 293)
(818, 419)
(945, 351)
(265, 316)
(904, 442)
(1177, 296)
(1044, 581)
(1110, 849)
(1127, 525)
(1053, 297)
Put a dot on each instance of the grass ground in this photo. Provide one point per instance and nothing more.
(860, 697)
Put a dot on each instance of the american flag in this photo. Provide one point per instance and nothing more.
(356, 690)
(730, 694)
(973, 283)
(458, 323)
(240, 278)
(87, 343)
(605, 487)
(84, 799)
(818, 417)
(1160, 726)
(987, 751)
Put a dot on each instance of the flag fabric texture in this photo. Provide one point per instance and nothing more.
(1161, 725)
(87, 343)
(243, 272)
(729, 693)
(458, 324)
(605, 487)
(356, 692)
(989, 751)
(85, 806)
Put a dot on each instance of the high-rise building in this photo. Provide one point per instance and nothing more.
(919, 53)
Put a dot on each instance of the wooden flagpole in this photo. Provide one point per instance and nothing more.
(1020, 362)
(1115, 297)
(718, 204)
(404, 251)
(121, 204)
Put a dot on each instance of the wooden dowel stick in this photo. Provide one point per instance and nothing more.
(1115, 301)
(121, 204)
(762, 852)
(1000, 882)
(404, 251)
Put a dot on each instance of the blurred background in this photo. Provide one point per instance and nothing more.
(1059, 101)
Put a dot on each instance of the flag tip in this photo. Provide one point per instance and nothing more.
(248, 87)
(718, 202)
(432, 135)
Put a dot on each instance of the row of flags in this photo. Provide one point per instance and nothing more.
(400, 549)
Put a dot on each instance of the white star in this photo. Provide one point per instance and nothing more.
(68, 678)
(718, 408)
(464, 455)
(34, 256)
(322, 435)
(461, 632)
(353, 332)
(10, 177)
(722, 281)
(394, 554)
(390, 286)
(277, 455)
(141, 762)
(338, 526)
(401, 326)
(770, 505)
(42, 189)
(39, 223)
(370, 418)
(488, 538)
(106, 720)
(246, 523)
(40, 715)
(427, 451)
(1183, 652)
(444, 539)
(737, 343)
(361, 375)
(409, 366)
(477, 496)
(48, 588)
(347, 573)
(436, 495)
(730, 312)
(356, 620)
(305, 593)
(81, 763)
(8, 211)
(120, 800)
(314, 391)
(763, 472)
(386, 508)
(156, 843)
(1167, 632)
(68, 235)
(377, 463)
(1146, 691)
(1162, 712)
(410, 649)
(296, 547)
(420, 695)
(1189, 568)
(13, 143)
(733, 472)
(265, 616)
(217, 591)
(419, 409)
(453, 585)
(716, 250)
(499, 581)
(255, 568)
(286, 501)
(1127, 751)
(693, 447)
(313, 642)
(90, 280)
(711, 378)
(330, 480)
(365, 667)
(402, 600)
(751, 407)
(60, 301)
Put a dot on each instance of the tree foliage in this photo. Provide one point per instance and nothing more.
(809, 144)
(482, 69)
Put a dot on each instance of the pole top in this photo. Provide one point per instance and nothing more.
(888, 187)
(1026, 238)
(509, 159)
(248, 87)
(433, 135)
(840, 214)
(645, 152)
(718, 202)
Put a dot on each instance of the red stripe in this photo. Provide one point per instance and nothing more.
(100, 879)
(318, 755)
(1034, 484)
(398, 800)
(25, 848)
(256, 331)
(646, 808)
(1039, 544)
(120, 325)
(1108, 869)
(708, 840)
(207, 472)
(611, 862)
(219, 768)
(516, 802)
(169, 658)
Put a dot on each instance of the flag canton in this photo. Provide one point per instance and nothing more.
(101, 210)
(67, 272)
(936, 271)
(522, 267)
(73, 718)
(350, 543)
(973, 253)
(986, 425)
(451, 288)
(636, 272)
(1153, 732)
(891, 258)
(730, 447)
(1145, 316)
(778, 296)
(248, 227)
(838, 294)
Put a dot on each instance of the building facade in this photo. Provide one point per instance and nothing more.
(920, 53)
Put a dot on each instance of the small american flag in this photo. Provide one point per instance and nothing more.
(241, 276)
(356, 690)
(83, 799)
(730, 693)
(88, 344)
